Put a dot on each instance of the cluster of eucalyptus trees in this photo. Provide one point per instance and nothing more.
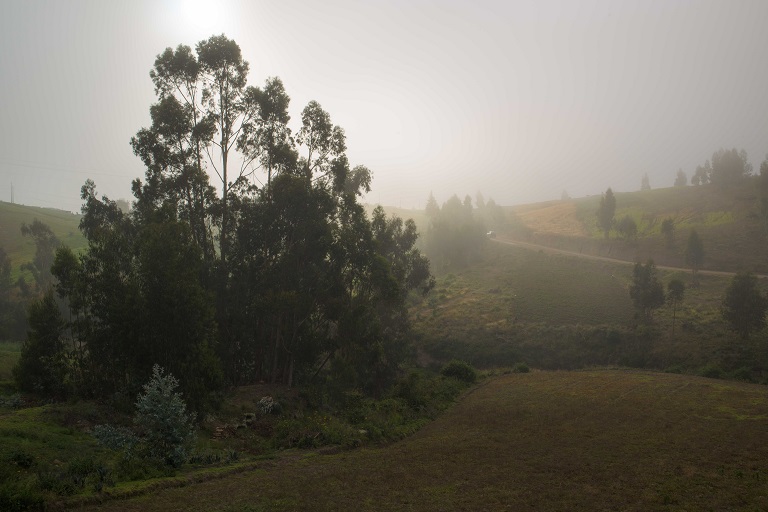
(247, 255)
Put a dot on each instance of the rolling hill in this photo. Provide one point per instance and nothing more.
(727, 220)
(21, 249)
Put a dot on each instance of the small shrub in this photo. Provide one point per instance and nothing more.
(17, 498)
(743, 374)
(711, 371)
(297, 433)
(22, 459)
(135, 468)
(115, 438)
(268, 405)
(521, 368)
(208, 458)
(460, 370)
(162, 415)
(13, 401)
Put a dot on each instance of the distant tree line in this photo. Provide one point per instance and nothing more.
(726, 168)
(281, 276)
(457, 231)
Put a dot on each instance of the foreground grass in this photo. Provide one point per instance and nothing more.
(48, 457)
(592, 440)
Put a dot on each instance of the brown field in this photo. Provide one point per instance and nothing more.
(590, 440)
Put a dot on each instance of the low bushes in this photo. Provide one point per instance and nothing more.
(460, 370)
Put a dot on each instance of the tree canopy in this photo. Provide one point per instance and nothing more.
(675, 295)
(606, 211)
(456, 234)
(729, 166)
(284, 279)
(646, 290)
(744, 305)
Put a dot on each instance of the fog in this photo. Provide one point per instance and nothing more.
(519, 100)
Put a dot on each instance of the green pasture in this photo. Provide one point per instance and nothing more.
(21, 249)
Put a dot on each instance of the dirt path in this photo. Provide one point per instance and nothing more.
(552, 250)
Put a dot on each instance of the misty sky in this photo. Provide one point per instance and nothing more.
(519, 100)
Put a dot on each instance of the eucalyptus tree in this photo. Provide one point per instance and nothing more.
(175, 176)
(646, 290)
(266, 139)
(223, 74)
(744, 305)
(675, 295)
(729, 167)
(136, 299)
(668, 230)
(299, 268)
(324, 145)
(606, 211)
(202, 110)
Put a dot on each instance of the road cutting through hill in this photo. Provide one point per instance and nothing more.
(552, 250)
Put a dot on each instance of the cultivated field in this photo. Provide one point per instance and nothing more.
(590, 440)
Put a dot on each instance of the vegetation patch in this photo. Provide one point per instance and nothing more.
(609, 439)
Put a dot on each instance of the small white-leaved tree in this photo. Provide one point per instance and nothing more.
(168, 430)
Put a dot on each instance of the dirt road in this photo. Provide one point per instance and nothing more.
(552, 250)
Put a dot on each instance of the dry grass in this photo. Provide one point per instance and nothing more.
(595, 440)
(558, 217)
(726, 220)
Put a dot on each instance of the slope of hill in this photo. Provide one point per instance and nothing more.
(727, 221)
(558, 311)
(21, 249)
(596, 440)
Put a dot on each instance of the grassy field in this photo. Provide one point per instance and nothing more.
(592, 440)
(21, 249)
(562, 312)
(726, 220)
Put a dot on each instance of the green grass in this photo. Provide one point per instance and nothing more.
(594, 440)
(47, 454)
(21, 249)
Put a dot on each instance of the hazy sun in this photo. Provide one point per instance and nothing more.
(203, 17)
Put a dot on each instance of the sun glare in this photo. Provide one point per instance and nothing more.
(202, 17)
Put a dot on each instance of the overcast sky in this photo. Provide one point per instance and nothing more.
(519, 100)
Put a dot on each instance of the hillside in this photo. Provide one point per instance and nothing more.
(726, 220)
(556, 311)
(21, 249)
(595, 440)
